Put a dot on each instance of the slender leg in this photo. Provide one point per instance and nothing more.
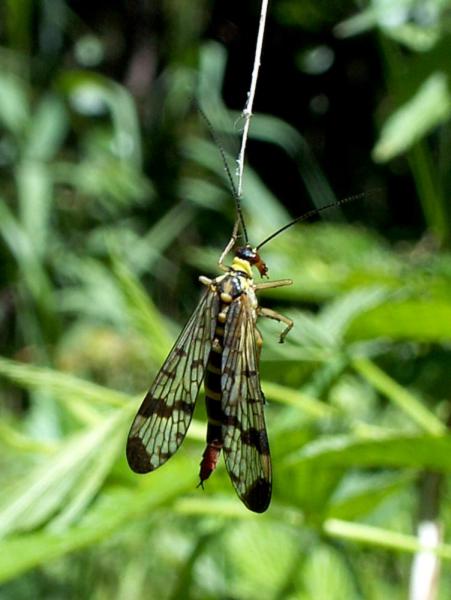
(272, 284)
(229, 246)
(259, 346)
(205, 280)
(272, 314)
(258, 343)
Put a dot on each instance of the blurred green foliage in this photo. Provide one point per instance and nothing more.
(108, 202)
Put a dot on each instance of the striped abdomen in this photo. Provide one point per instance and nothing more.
(213, 402)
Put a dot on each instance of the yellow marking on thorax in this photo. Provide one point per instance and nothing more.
(238, 264)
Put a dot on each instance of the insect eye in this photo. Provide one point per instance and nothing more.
(246, 253)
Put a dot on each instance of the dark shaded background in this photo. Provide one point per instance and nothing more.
(338, 111)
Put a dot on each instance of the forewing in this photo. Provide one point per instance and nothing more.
(246, 448)
(163, 419)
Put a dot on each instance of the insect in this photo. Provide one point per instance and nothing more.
(221, 346)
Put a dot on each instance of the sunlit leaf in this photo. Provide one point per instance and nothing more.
(428, 108)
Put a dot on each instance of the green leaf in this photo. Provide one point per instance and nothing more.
(292, 397)
(143, 313)
(428, 108)
(51, 486)
(60, 384)
(323, 559)
(393, 320)
(395, 21)
(378, 537)
(21, 247)
(338, 316)
(111, 513)
(91, 480)
(400, 396)
(91, 93)
(371, 490)
(14, 106)
(262, 555)
(35, 190)
(387, 451)
(47, 129)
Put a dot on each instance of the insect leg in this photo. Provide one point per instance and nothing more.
(258, 344)
(229, 246)
(272, 314)
(205, 280)
(272, 284)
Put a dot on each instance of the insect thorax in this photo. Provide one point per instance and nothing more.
(232, 284)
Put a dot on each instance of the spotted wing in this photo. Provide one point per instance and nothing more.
(246, 448)
(163, 419)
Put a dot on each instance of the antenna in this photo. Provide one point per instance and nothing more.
(240, 217)
(312, 213)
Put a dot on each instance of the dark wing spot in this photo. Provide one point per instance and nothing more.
(256, 438)
(263, 443)
(137, 456)
(165, 411)
(148, 406)
(258, 496)
(232, 421)
(251, 401)
(169, 374)
(186, 407)
(230, 373)
(249, 373)
(180, 352)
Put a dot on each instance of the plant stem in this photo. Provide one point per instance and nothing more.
(247, 112)
(399, 396)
